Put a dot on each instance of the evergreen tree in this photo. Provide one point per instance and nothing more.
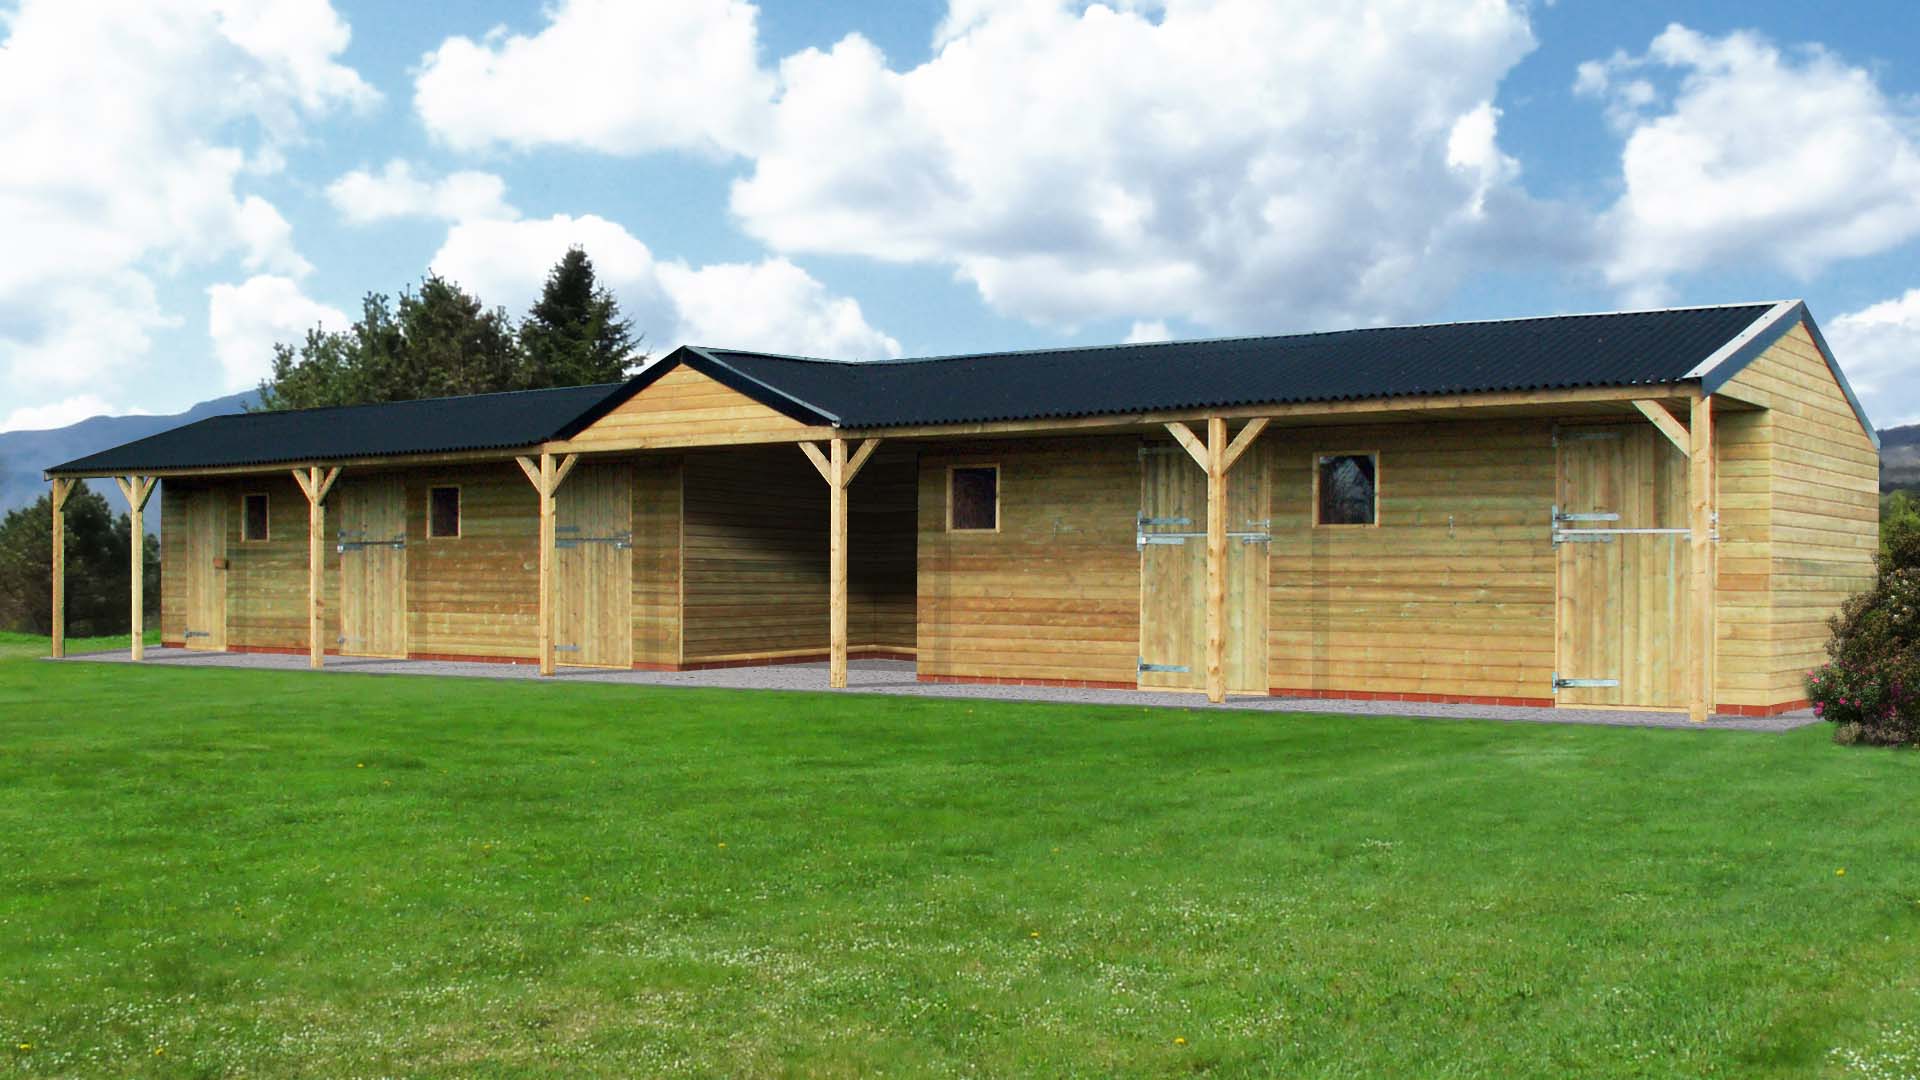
(441, 341)
(575, 334)
(98, 581)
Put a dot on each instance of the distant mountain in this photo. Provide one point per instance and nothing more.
(1900, 458)
(24, 455)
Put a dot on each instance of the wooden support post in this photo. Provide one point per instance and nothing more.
(1702, 522)
(1216, 455)
(838, 470)
(546, 563)
(62, 490)
(137, 489)
(1216, 559)
(315, 484)
(837, 564)
(547, 476)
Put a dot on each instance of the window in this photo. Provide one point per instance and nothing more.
(253, 517)
(443, 511)
(973, 498)
(1345, 489)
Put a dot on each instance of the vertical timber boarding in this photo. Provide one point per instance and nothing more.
(372, 545)
(204, 559)
(1625, 597)
(1172, 538)
(593, 568)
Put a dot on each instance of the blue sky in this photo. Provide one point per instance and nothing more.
(910, 178)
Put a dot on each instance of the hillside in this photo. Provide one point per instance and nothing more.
(24, 454)
(1900, 458)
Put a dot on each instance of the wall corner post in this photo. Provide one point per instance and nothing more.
(1703, 524)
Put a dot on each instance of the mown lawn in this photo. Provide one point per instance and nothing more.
(211, 873)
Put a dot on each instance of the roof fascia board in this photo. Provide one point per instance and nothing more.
(765, 393)
(423, 458)
(1747, 346)
(1826, 351)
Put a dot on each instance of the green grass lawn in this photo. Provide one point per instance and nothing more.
(211, 873)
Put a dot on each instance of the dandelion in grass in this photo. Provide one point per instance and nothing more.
(1841, 872)
(1180, 1040)
(26, 1046)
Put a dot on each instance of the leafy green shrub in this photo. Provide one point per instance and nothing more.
(1871, 687)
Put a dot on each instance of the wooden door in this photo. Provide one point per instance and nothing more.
(1623, 596)
(1173, 571)
(593, 567)
(372, 543)
(205, 561)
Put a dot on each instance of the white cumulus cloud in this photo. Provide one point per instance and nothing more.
(1793, 159)
(772, 305)
(246, 321)
(606, 75)
(364, 198)
(129, 131)
(1243, 164)
(1879, 348)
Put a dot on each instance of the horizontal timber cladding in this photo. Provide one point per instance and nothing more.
(478, 593)
(1822, 512)
(656, 561)
(1451, 593)
(755, 554)
(267, 579)
(1054, 594)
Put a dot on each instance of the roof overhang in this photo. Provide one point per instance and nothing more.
(1747, 346)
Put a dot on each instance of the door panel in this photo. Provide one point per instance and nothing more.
(593, 567)
(1623, 597)
(372, 543)
(205, 557)
(1173, 571)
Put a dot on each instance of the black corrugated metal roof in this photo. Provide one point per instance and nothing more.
(427, 426)
(1559, 352)
(1555, 352)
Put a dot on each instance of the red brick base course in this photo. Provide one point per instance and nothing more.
(1762, 710)
(994, 680)
(1435, 699)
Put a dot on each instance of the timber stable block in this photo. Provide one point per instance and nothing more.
(1661, 522)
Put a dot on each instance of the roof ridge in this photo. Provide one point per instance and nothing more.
(1234, 338)
(414, 401)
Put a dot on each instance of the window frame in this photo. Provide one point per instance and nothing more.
(1317, 460)
(459, 512)
(956, 467)
(266, 517)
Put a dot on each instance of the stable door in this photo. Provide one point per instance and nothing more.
(1172, 538)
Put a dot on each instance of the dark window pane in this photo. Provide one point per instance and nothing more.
(976, 498)
(1346, 489)
(443, 511)
(253, 523)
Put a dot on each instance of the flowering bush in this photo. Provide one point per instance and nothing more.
(1871, 688)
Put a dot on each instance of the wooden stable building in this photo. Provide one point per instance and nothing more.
(1643, 509)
